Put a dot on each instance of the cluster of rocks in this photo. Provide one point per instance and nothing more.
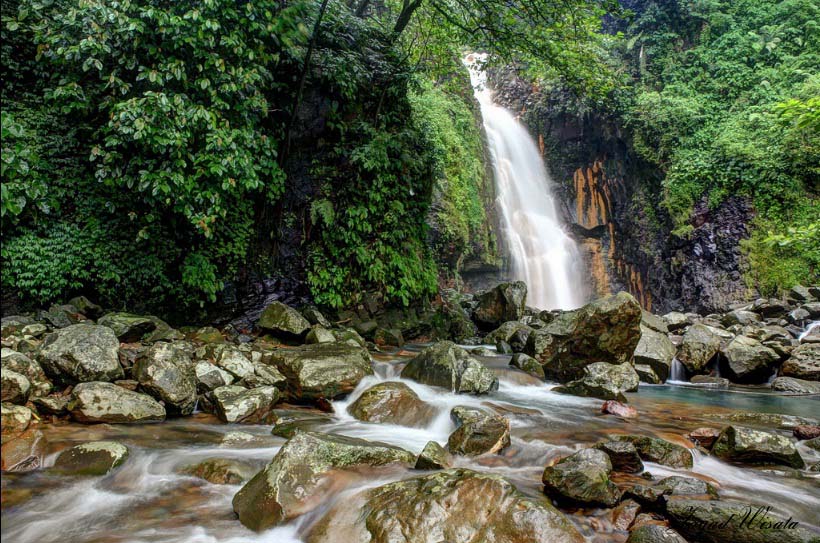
(76, 362)
(606, 347)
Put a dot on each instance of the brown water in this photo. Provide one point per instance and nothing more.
(148, 500)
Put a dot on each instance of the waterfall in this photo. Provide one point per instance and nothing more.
(811, 326)
(678, 374)
(541, 253)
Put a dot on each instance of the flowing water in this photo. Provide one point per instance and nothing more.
(148, 500)
(541, 252)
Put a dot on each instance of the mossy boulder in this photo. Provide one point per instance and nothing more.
(734, 522)
(582, 478)
(319, 334)
(749, 446)
(606, 330)
(447, 365)
(749, 361)
(106, 402)
(324, 370)
(221, 471)
(15, 419)
(804, 363)
(297, 478)
(790, 385)
(478, 432)
(392, 403)
(284, 320)
(14, 387)
(653, 449)
(623, 455)
(235, 404)
(698, 346)
(654, 533)
(604, 381)
(128, 327)
(167, 373)
(456, 506)
(93, 458)
(433, 456)
(655, 350)
(209, 376)
(82, 353)
(505, 302)
(26, 366)
(526, 363)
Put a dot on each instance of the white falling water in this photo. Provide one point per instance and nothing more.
(541, 252)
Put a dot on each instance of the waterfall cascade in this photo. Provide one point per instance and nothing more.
(541, 253)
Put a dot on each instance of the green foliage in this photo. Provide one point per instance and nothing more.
(454, 139)
(726, 104)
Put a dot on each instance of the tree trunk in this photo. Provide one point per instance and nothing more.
(406, 14)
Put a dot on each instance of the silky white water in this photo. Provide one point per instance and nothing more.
(541, 253)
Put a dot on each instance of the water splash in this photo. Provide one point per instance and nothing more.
(809, 329)
(541, 252)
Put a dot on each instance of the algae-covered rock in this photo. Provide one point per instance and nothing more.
(606, 330)
(324, 370)
(453, 506)
(295, 481)
(93, 458)
(433, 456)
(478, 432)
(82, 353)
(652, 449)
(106, 402)
(167, 373)
(723, 522)
(582, 478)
(748, 446)
(282, 319)
(447, 365)
(602, 380)
(235, 404)
(393, 403)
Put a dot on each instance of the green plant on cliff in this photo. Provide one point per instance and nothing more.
(726, 104)
(454, 138)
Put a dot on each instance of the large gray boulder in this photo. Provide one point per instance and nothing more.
(93, 458)
(478, 432)
(81, 353)
(235, 404)
(748, 446)
(167, 373)
(106, 402)
(699, 345)
(804, 363)
(606, 330)
(15, 387)
(653, 449)
(749, 361)
(128, 327)
(323, 370)
(505, 302)
(604, 381)
(453, 506)
(582, 478)
(447, 365)
(297, 478)
(790, 385)
(210, 377)
(392, 403)
(655, 350)
(725, 522)
(22, 364)
(284, 320)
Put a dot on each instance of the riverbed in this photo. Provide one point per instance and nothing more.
(147, 499)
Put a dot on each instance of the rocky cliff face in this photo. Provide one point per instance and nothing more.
(612, 200)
